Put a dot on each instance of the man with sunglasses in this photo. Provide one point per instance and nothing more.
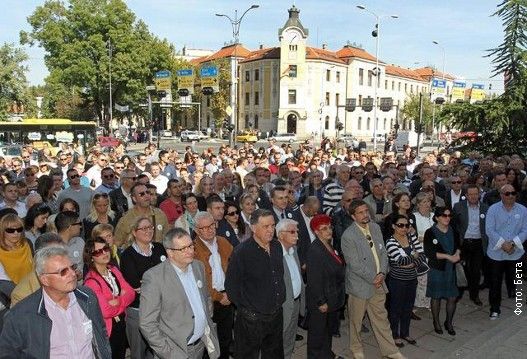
(94, 173)
(456, 192)
(69, 228)
(506, 228)
(58, 320)
(82, 195)
(142, 208)
(366, 267)
(109, 181)
(121, 198)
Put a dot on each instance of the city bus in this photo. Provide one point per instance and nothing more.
(49, 130)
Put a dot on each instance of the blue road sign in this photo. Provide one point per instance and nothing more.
(438, 83)
(186, 72)
(209, 71)
(162, 74)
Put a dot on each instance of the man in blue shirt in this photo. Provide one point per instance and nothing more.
(506, 228)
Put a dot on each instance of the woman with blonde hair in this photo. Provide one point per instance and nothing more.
(100, 213)
(16, 257)
(105, 231)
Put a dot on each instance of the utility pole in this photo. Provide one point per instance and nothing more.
(110, 74)
(420, 126)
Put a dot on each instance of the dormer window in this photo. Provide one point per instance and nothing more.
(293, 47)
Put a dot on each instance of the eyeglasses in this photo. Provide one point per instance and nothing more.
(455, 182)
(119, 167)
(13, 230)
(178, 163)
(370, 242)
(146, 228)
(511, 193)
(403, 225)
(25, 157)
(103, 159)
(101, 251)
(74, 176)
(64, 271)
(233, 213)
(182, 249)
(63, 159)
(209, 227)
(446, 215)
(108, 176)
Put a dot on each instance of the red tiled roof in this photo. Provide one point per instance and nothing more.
(402, 72)
(262, 54)
(322, 54)
(224, 52)
(350, 51)
(428, 73)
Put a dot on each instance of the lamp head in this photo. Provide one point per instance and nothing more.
(362, 7)
(435, 42)
(394, 16)
(255, 6)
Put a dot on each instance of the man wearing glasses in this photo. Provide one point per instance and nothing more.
(82, 195)
(214, 252)
(94, 173)
(121, 198)
(366, 268)
(69, 228)
(142, 208)
(176, 291)
(58, 320)
(109, 181)
(506, 229)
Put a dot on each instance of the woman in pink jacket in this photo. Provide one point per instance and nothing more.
(113, 292)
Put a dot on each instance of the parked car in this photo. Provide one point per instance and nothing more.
(190, 136)
(284, 137)
(167, 134)
(381, 137)
(247, 137)
(349, 140)
(203, 135)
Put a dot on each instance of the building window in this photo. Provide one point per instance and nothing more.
(360, 100)
(393, 85)
(370, 77)
(368, 124)
(337, 76)
(411, 89)
(247, 76)
(293, 48)
(337, 99)
(255, 121)
(359, 124)
(327, 98)
(256, 75)
(292, 70)
(256, 98)
(399, 86)
(386, 84)
(326, 123)
(361, 76)
(292, 97)
(246, 120)
(328, 75)
(405, 87)
(247, 98)
(385, 123)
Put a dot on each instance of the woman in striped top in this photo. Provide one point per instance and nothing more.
(405, 253)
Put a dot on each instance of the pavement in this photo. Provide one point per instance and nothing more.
(476, 335)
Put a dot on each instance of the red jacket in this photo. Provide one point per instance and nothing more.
(104, 294)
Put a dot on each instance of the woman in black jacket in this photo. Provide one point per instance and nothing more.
(325, 293)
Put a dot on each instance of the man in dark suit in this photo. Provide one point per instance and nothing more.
(469, 225)
(280, 200)
(427, 174)
(174, 312)
(456, 193)
(303, 217)
(287, 233)
(121, 197)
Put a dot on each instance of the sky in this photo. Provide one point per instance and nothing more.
(464, 29)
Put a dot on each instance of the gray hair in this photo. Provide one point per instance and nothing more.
(44, 254)
(174, 233)
(260, 212)
(202, 215)
(284, 223)
(47, 239)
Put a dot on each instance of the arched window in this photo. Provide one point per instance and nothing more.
(368, 124)
(326, 125)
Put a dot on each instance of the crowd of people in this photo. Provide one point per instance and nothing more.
(226, 253)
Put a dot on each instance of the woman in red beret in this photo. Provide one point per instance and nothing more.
(325, 293)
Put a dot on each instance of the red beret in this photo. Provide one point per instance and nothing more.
(319, 220)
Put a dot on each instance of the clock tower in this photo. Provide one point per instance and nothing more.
(293, 74)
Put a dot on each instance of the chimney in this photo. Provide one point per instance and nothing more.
(324, 46)
(260, 47)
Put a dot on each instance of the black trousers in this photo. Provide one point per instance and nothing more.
(319, 334)
(118, 341)
(223, 316)
(402, 298)
(258, 336)
(472, 252)
(497, 269)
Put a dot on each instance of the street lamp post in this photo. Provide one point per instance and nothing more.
(377, 34)
(443, 78)
(235, 23)
(110, 76)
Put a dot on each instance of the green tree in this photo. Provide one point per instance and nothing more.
(13, 83)
(411, 109)
(500, 121)
(80, 35)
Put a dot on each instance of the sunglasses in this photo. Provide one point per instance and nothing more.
(233, 213)
(13, 230)
(75, 176)
(101, 251)
(25, 157)
(119, 167)
(108, 176)
(445, 215)
(403, 225)
(456, 182)
(103, 159)
(63, 159)
(511, 193)
(64, 271)
(142, 194)
(370, 242)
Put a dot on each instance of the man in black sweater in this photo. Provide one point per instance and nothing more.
(255, 284)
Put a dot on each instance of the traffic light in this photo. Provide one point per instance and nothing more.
(207, 91)
(182, 92)
(386, 104)
(418, 127)
(340, 126)
(351, 104)
(161, 94)
(225, 123)
(230, 127)
(375, 32)
(367, 104)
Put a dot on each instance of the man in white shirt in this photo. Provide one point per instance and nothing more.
(94, 173)
(157, 179)
(10, 194)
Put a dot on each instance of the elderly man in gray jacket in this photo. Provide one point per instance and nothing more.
(366, 268)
